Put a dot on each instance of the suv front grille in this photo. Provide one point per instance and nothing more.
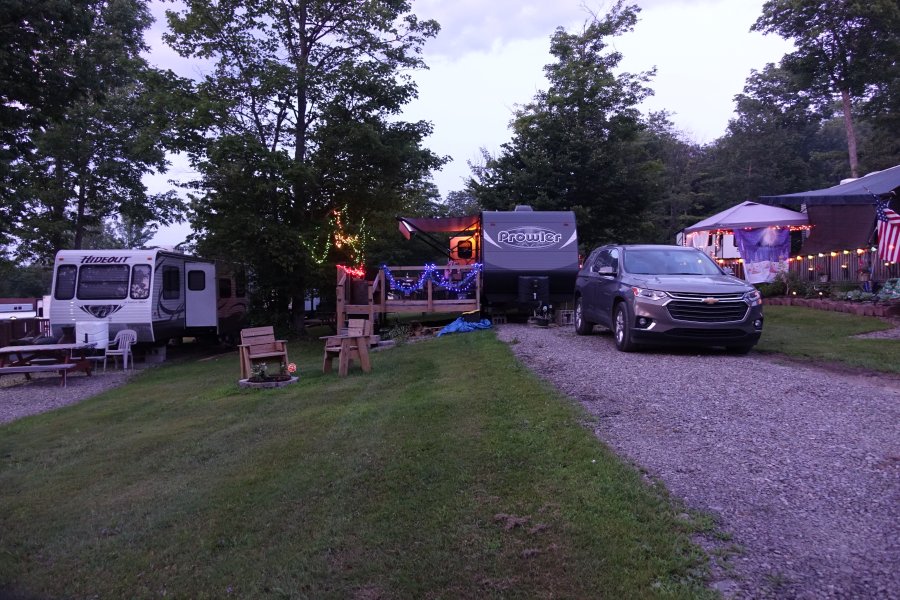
(723, 311)
(733, 297)
(705, 334)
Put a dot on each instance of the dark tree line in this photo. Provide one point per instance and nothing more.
(304, 160)
(828, 111)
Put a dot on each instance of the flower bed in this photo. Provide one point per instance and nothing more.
(260, 377)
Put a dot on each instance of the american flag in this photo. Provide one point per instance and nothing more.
(888, 232)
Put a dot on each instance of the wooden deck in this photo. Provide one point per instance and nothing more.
(380, 299)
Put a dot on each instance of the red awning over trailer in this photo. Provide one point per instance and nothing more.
(437, 224)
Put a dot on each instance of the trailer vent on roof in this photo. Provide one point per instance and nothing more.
(523, 208)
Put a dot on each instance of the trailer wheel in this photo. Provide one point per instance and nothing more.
(582, 327)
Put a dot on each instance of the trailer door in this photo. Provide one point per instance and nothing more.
(200, 294)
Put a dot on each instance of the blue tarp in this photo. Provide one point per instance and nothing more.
(462, 326)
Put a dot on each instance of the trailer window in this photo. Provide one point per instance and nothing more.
(65, 282)
(196, 281)
(224, 288)
(97, 282)
(140, 282)
(171, 283)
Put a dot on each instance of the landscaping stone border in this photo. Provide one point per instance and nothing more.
(259, 385)
(866, 309)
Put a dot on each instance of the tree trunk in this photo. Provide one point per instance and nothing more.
(80, 210)
(851, 134)
(57, 207)
(298, 311)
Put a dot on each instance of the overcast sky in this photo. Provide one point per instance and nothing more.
(489, 58)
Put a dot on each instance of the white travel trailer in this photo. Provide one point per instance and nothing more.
(159, 294)
(713, 243)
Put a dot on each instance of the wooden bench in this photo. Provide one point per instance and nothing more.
(352, 344)
(63, 370)
(258, 344)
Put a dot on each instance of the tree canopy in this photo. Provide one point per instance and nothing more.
(298, 127)
(574, 146)
(844, 48)
(303, 157)
(83, 161)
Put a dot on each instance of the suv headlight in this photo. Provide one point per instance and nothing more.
(649, 294)
(753, 297)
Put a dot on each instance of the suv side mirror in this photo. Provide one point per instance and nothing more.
(607, 271)
(728, 270)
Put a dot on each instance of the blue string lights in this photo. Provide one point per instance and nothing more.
(435, 275)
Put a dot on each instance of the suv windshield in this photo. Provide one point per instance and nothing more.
(666, 261)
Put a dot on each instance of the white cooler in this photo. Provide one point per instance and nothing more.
(93, 331)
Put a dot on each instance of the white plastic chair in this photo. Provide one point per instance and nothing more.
(121, 346)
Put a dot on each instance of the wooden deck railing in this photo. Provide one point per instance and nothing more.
(375, 298)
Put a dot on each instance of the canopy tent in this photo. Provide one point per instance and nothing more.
(859, 191)
(750, 214)
(761, 237)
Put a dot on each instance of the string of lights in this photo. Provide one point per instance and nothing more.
(318, 258)
(337, 236)
(435, 275)
(357, 272)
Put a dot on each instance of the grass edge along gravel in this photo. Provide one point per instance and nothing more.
(450, 471)
(819, 337)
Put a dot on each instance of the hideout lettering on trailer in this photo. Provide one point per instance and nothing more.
(103, 259)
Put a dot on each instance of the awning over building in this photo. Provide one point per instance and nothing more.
(750, 214)
(858, 191)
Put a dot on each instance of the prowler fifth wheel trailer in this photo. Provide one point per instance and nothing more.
(159, 294)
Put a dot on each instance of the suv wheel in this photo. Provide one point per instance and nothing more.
(622, 327)
(582, 327)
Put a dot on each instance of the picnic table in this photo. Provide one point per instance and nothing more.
(39, 358)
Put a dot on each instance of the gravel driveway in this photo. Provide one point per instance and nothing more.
(20, 398)
(799, 465)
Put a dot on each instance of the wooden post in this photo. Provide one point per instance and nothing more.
(340, 303)
(478, 290)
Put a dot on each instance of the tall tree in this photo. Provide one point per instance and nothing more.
(87, 164)
(773, 144)
(672, 169)
(843, 48)
(300, 118)
(39, 78)
(882, 111)
(461, 202)
(574, 146)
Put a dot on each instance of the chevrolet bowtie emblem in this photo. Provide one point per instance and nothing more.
(710, 300)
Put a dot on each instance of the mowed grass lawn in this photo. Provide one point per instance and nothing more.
(828, 337)
(448, 472)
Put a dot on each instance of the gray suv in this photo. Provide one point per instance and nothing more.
(665, 294)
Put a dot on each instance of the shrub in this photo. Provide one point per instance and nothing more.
(399, 334)
(856, 296)
(889, 291)
(774, 288)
